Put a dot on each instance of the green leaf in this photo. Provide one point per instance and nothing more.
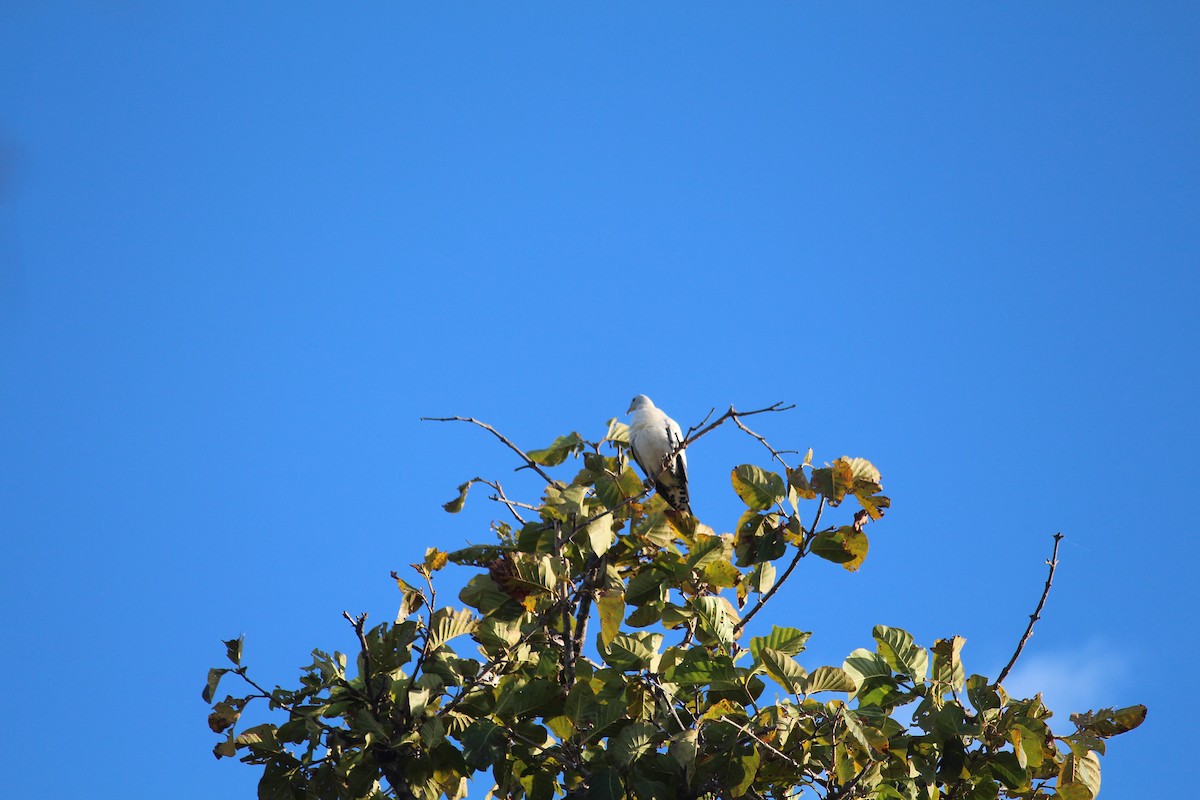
(615, 491)
(260, 736)
(763, 577)
(214, 678)
(897, 648)
(482, 593)
(446, 623)
(874, 504)
(1109, 722)
(564, 504)
(717, 618)
(617, 432)
(599, 534)
(536, 698)
(611, 605)
(758, 488)
(483, 743)
(1030, 746)
(783, 669)
(786, 640)
(1008, 770)
(724, 708)
(634, 741)
(632, 650)
(722, 574)
(604, 716)
(581, 703)
(233, 650)
(845, 546)
(456, 505)
(863, 664)
(698, 668)
(558, 451)
(477, 555)
(1079, 777)
(833, 481)
(646, 585)
(561, 726)
(983, 695)
(605, 784)
(947, 665)
(683, 750)
(854, 728)
(799, 483)
(829, 679)
(742, 772)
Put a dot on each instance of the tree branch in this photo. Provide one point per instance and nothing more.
(585, 596)
(775, 454)
(359, 622)
(529, 462)
(800, 553)
(732, 413)
(1037, 612)
(502, 498)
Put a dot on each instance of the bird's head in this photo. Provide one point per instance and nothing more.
(638, 403)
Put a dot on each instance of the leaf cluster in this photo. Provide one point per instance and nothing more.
(667, 698)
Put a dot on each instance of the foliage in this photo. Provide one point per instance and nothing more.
(669, 698)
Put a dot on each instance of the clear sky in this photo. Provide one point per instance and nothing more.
(243, 250)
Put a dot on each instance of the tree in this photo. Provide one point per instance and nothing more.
(671, 699)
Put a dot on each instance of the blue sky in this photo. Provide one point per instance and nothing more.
(243, 250)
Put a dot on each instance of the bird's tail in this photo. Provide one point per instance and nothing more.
(676, 497)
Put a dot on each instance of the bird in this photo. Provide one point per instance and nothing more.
(654, 440)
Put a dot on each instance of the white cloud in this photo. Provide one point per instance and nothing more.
(1078, 680)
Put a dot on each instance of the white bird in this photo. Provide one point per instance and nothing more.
(654, 439)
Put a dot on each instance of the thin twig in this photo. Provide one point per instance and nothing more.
(765, 744)
(270, 698)
(358, 623)
(529, 462)
(800, 553)
(696, 432)
(503, 498)
(1037, 612)
(488, 669)
(775, 454)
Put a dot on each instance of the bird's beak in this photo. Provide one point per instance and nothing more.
(630, 409)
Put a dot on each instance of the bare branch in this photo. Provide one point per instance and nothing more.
(701, 423)
(529, 462)
(697, 431)
(1037, 612)
(500, 497)
(775, 454)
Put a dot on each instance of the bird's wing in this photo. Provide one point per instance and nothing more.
(673, 483)
(639, 447)
(674, 439)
